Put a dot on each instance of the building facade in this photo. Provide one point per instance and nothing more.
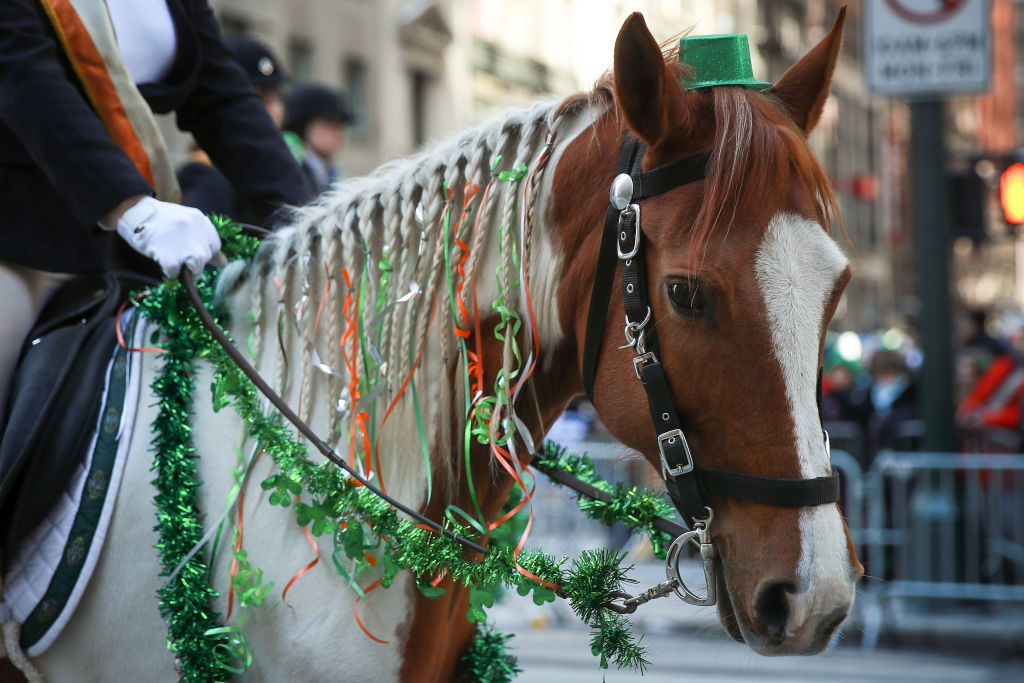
(417, 71)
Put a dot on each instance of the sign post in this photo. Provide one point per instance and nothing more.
(923, 50)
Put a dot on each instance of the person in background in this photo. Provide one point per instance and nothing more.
(972, 328)
(989, 416)
(843, 399)
(893, 401)
(316, 120)
(203, 186)
(82, 161)
(265, 72)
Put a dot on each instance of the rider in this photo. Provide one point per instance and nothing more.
(202, 184)
(81, 156)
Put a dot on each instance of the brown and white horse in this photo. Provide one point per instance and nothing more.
(741, 357)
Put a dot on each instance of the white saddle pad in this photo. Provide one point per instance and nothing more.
(53, 564)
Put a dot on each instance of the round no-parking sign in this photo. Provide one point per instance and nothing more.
(922, 47)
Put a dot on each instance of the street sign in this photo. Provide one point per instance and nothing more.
(927, 47)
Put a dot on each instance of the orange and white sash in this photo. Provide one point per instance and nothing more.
(87, 36)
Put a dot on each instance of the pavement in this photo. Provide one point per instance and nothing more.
(563, 656)
(919, 642)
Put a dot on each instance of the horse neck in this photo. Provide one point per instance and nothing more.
(356, 300)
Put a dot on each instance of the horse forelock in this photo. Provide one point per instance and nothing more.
(759, 158)
(757, 151)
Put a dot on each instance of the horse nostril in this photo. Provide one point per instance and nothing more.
(771, 610)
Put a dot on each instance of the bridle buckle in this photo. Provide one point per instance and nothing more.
(635, 249)
(669, 438)
(641, 360)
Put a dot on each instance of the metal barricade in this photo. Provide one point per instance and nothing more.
(559, 527)
(851, 498)
(942, 526)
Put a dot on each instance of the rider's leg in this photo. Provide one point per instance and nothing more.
(23, 293)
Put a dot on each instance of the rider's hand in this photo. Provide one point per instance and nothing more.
(170, 234)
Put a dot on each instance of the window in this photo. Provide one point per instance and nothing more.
(353, 72)
(420, 81)
(300, 59)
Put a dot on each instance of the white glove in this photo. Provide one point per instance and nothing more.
(170, 234)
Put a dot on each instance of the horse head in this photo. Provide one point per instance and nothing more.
(742, 278)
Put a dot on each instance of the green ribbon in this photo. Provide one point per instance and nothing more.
(513, 175)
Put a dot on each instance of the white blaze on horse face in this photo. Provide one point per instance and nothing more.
(797, 268)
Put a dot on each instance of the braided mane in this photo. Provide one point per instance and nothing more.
(372, 250)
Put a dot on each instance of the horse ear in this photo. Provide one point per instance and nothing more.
(804, 88)
(642, 81)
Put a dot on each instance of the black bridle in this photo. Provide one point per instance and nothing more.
(688, 484)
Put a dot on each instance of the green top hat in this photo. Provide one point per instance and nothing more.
(718, 60)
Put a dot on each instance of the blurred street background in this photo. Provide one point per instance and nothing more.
(924, 361)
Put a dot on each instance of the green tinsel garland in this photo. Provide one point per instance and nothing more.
(336, 508)
(185, 600)
(635, 507)
(488, 658)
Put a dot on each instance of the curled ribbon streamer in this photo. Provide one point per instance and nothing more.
(476, 366)
(509, 324)
(522, 570)
(452, 510)
(355, 611)
(524, 280)
(360, 420)
(234, 562)
(119, 331)
(350, 577)
(235, 648)
(424, 449)
(414, 291)
(510, 465)
(469, 190)
(323, 298)
(523, 502)
(455, 302)
(351, 331)
(301, 572)
(280, 335)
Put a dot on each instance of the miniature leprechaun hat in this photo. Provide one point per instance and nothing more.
(718, 60)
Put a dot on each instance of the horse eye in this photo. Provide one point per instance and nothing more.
(689, 298)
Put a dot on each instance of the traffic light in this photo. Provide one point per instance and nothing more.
(1011, 193)
(967, 194)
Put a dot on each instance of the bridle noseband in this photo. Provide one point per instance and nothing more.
(687, 483)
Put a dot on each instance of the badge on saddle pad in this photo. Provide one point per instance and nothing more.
(718, 60)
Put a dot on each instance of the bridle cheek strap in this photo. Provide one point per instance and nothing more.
(686, 483)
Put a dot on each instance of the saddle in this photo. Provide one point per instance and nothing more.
(56, 397)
